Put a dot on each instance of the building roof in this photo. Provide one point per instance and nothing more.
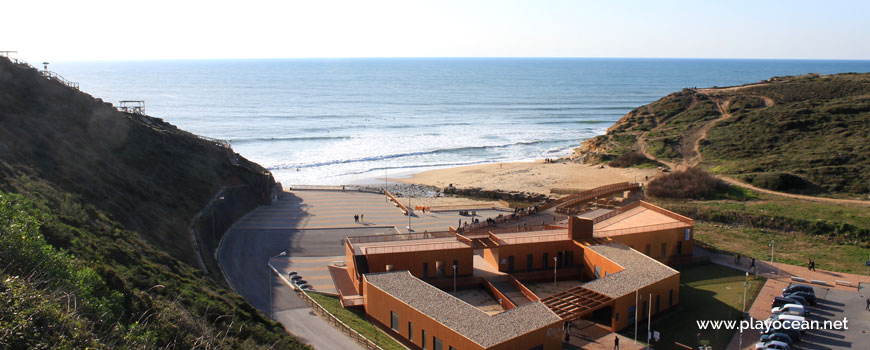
(408, 242)
(639, 271)
(533, 236)
(637, 218)
(467, 320)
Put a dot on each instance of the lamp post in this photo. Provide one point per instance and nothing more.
(454, 279)
(409, 213)
(745, 284)
(45, 65)
(269, 279)
(213, 213)
(771, 253)
(555, 263)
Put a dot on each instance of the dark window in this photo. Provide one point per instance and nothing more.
(648, 250)
(670, 298)
(679, 247)
(616, 316)
(658, 299)
(664, 250)
(544, 261)
(394, 321)
(423, 338)
(539, 347)
(529, 263)
(511, 263)
(631, 313)
(452, 348)
(643, 312)
(425, 270)
(560, 259)
(437, 343)
(410, 331)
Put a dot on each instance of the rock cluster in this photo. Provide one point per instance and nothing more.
(497, 194)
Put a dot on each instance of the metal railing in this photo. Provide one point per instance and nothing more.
(463, 207)
(56, 77)
(400, 237)
(535, 239)
(574, 199)
(345, 188)
(404, 248)
(640, 229)
(403, 208)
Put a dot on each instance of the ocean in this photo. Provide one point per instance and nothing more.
(344, 121)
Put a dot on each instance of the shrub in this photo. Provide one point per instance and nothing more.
(691, 183)
(628, 159)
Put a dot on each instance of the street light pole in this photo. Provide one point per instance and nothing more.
(409, 213)
(269, 279)
(555, 263)
(771, 253)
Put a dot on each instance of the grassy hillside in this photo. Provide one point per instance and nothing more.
(96, 208)
(808, 134)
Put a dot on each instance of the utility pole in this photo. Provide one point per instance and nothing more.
(454, 279)
(555, 263)
(636, 291)
(409, 213)
(269, 279)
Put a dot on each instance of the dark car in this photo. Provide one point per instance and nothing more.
(779, 336)
(794, 334)
(780, 301)
(803, 301)
(810, 297)
(798, 288)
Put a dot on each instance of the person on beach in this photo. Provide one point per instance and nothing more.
(810, 264)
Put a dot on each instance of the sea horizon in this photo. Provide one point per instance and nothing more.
(348, 120)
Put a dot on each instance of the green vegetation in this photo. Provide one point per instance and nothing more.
(356, 319)
(707, 292)
(807, 134)
(95, 207)
(633, 159)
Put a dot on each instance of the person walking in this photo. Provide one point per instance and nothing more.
(361, 217)
(813, 265)
(615, 342)
(752, 265)
(868, 304)
(810, 265)
(356, 218)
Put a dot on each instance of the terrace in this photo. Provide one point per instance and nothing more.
(403, 243)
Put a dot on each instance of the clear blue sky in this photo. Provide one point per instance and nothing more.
(182, 29)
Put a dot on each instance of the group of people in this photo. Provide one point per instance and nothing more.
(751, 264)
(358, 218)
(549, 160)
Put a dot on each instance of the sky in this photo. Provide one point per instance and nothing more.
(85, 30)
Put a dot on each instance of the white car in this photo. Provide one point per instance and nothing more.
(773, 344)
(789, 309)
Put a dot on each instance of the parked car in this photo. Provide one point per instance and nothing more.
(792, 309)
(809, 297)
(773, 344)
(794, 334)
(795, 287)
(780, 301)
(304, 286)
(295, 277)
(799, 298)
(778, 336)
(292, 273)
(301, 281)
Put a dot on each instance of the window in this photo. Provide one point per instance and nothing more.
(664, 250)
(688, 234)
(648, 250)
(631, 313)
(679, 247)
(389, 267)
(410, 331)
(658, 299)
(616, 316)
(529, 262)
(544, 261)
(437, 343)
(670, 298)
(560, 259)
(643, 311)
(425, 270)
(423, 339)
(394, 321)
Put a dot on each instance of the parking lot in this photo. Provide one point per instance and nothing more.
(834, 305)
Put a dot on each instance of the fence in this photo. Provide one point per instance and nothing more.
(640, 229)
(535, 239)
(342, 188)
(56, 77)
(574, 199)
(417, 247)
(463, 207)
(400, 237)
(335, 322)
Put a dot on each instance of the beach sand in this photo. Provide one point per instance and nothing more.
(536, 177)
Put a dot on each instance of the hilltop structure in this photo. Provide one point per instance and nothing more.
(603, 260)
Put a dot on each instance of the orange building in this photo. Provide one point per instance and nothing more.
(617, 258)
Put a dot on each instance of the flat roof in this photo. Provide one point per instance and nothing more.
(414, 245)
(635, 217)
(476, 325)
(594, 213)
(533, 236)
(639, 271)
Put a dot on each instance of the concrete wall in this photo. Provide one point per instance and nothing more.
(662, 289)
(591, 259)
(670, 238)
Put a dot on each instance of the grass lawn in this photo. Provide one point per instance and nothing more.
(356, 319)
(707, 292)
(790, 248)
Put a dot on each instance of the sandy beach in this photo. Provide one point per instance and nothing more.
(537, 177)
